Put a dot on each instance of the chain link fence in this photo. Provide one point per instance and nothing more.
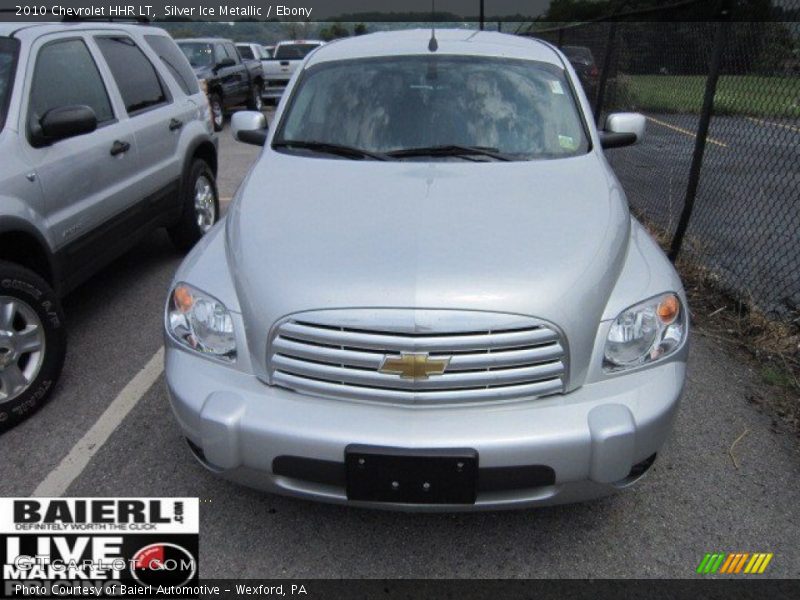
(744, 227)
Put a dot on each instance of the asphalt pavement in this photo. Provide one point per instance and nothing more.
(726, 480)
(747, 211)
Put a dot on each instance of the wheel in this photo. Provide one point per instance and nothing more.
(217, 112)
(256, 102)
(200, 206)
(33, 343)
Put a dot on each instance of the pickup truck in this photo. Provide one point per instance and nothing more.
(285, 59)
(228, 79)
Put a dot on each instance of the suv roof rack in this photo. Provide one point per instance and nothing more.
(79, 19)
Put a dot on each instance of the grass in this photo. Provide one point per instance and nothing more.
(778, 376)
(736, 94)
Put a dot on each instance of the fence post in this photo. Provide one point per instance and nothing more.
(720, 36)
(601, 89)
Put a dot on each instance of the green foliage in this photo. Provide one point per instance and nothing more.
(333, 31)
(778, 376)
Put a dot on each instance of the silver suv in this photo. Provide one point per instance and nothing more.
(105, 135)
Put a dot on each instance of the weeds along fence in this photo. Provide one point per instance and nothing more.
(719, 169)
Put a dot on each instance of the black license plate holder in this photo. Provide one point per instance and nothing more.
(400, 475)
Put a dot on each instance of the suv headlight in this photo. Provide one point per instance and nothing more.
(645, 333)
(201, 322)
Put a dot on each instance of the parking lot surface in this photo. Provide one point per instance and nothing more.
(742, 222)
(726, 480)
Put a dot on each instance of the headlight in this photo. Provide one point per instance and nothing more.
(645, 333)
(201, 322)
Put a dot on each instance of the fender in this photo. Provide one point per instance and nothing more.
(195, 144)
(13, 223)
(192, 147)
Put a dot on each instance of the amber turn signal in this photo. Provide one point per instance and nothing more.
(668, 309)
(183, 299)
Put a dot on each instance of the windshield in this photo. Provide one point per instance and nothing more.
(8, 60)
(522, 109)
(293, 51)
(199, 54)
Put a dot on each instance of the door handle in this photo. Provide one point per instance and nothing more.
(175, 124)
(119, 147)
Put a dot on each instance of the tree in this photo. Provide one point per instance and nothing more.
(298, 30)
(333, 32)
(360, 29)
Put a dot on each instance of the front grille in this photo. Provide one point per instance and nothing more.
(318, 357)
(277, 82)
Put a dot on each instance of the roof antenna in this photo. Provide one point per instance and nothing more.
(433, 45)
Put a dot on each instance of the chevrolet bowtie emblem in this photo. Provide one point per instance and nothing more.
(413, 365)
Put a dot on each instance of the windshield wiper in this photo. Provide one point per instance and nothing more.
(450, 150)
(337, 149)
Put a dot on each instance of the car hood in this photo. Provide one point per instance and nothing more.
(542, 238)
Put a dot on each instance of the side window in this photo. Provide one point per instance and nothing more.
(65, 75)
(136, 77)
(175, 61)
(246, 52)
(232, 53)
(219, 53)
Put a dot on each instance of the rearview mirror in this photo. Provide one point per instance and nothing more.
(225, 62)
(64, 122)
(249, 127)
(622, 129)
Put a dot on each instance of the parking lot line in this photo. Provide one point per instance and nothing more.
(60, 478)
(709, 139)
(773, 123)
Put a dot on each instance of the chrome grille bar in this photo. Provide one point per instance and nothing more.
(443, 343)
(464, 379)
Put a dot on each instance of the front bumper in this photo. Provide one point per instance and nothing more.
(591, 438)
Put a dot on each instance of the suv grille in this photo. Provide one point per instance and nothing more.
(320, 358)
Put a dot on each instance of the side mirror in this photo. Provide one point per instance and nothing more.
(249, 127)
(225, 62)
(622, 129)
(64, 122)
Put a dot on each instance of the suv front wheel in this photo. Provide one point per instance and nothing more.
(33, 343)
(217, 112)
(200, 206)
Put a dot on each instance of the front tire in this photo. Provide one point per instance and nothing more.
(256, 102)
(217, 112)
(33, 343)
(200, 206)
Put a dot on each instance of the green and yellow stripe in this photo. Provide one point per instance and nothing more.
(734, 563)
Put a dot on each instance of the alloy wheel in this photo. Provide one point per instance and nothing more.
(205, 206)
(22, 347)
(218, 115)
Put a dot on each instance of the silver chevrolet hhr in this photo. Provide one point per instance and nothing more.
(429, 293)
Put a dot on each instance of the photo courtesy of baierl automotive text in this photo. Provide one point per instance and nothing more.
(276, 278)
